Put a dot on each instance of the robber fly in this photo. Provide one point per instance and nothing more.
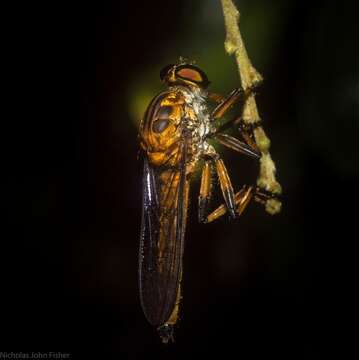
(174, 135)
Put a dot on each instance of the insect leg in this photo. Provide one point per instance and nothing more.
(216, 97)
(205, 191)
(237, 145)
(226, 187)
(227, 102)
(262, 195)
(246, 131)
(242, 199)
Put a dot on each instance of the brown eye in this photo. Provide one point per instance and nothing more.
(160, 125)
(193, 74)
(190, 74)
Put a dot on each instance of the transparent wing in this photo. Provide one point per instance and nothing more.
(164, 207)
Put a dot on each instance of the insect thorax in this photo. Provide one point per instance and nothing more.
(197, 121)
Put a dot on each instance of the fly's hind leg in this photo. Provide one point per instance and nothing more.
(262, 196)
(242, 199)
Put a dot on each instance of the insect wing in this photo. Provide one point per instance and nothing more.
(165, 200)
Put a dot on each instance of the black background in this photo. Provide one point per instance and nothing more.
(72, 188)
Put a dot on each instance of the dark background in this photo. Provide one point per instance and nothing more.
(72, 181)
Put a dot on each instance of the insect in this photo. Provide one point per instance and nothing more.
(174, 134)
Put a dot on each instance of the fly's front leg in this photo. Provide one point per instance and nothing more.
(227, 102)
(205, 191)
(215, 97)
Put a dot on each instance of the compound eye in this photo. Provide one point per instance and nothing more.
(193, 74)
(160, 125)
(190, 74)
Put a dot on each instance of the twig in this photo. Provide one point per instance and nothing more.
(249, 77)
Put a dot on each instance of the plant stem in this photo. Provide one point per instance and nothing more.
(249, 77)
